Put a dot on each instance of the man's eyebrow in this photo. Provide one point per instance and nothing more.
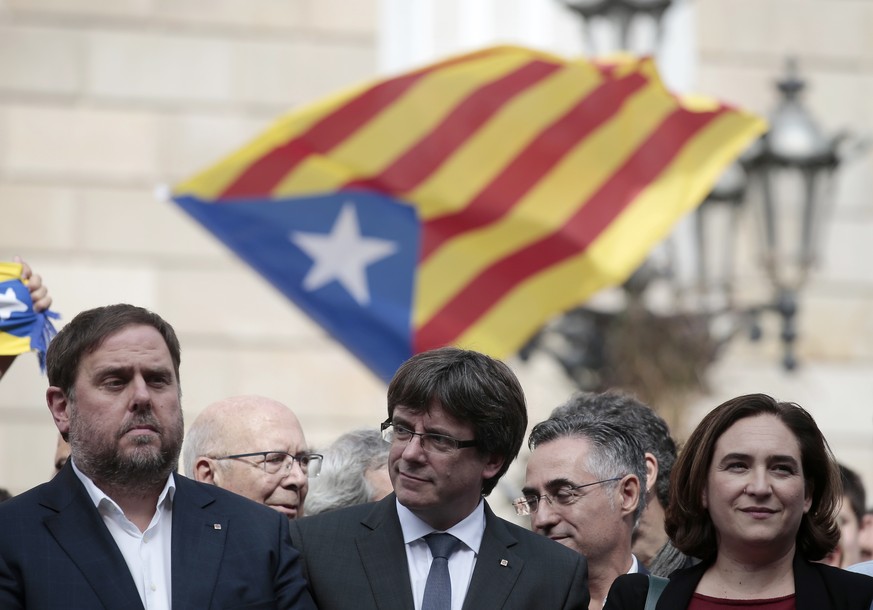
(112, 369)
(549, 485)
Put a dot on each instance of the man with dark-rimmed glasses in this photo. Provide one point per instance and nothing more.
(253, 446)
(583, 489)
(456, 420)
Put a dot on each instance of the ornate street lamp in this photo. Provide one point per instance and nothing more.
(621, 16)
(785, 177)
(791, 170)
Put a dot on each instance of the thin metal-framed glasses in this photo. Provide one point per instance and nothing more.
(565, 496)
(275, 462)
(430, 441)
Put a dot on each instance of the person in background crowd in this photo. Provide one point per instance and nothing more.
(62, 454)
(865, 538)
(117, 528)
(4, 494)
(355, 471)
(850, 517)
(583, 488)
(253, 446)
(456, 419)
(754, 494)
(650, 543)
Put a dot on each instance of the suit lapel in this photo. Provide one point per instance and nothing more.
(198, 545)
(497, 567)
(383, 555)
(79, 530)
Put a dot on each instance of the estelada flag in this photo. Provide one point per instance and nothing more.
(467, 202)
(21, 328)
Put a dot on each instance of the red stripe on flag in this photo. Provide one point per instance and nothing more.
(539, 157)
(409, 170)
(262, 176)
(644, 166)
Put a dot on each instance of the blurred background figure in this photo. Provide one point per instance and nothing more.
(850, 518)
(865, 539)
(754, 495)
(650, 543)
(62, 454)
(4, 494)
(355, 471)
(253, 446)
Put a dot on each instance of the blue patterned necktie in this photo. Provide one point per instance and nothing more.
(438, 590)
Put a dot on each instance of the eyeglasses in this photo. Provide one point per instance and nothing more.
(430, 442)
(565, 496)
(275, 462)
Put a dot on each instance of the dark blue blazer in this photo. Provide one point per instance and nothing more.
(227, 552)
(816, 587)
(355, 558)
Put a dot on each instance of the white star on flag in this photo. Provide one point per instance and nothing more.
(9, 304)
(342, 255)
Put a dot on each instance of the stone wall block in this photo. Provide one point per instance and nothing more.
(341, 16)
(190, 143)
(69, 142)
(326, 68)
(235, 303)
(246, 15)
(134, 222)
(270, 73)
(93, 9)
(40, 60)
(166, 67)
(37, 214)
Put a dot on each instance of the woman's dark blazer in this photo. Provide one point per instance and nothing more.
(817, 587)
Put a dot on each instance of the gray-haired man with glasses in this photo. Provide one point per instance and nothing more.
(583, 488)
(456, 420)
(253, 446)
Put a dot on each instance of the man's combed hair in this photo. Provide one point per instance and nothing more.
(615, 452)
(471, 387)
(625, 411)
(688, 522)
(87, 332)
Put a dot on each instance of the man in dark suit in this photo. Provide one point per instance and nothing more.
(456, 420)
(117, 528)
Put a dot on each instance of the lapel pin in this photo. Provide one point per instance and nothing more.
(504, 563)
(216, 526)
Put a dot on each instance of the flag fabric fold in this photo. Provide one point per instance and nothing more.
(21, 328)
(469, 201)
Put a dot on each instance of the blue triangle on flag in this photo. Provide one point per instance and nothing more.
(347, 259)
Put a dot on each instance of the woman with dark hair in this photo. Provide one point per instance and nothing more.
(754, 494)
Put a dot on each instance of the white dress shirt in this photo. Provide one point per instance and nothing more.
(461, 563)
(147, 553)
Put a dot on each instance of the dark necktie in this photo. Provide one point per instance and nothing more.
(438, 590)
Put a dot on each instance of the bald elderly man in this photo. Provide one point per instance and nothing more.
(253, 446)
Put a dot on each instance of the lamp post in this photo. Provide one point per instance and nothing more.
(785, 178)
(791, 169)
(620, 15)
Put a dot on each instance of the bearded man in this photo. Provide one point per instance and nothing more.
(117, 527)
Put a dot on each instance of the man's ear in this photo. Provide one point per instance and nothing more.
(493, 465)
(59, 406)
(652, 470)
(630, 491)
(205, 470)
